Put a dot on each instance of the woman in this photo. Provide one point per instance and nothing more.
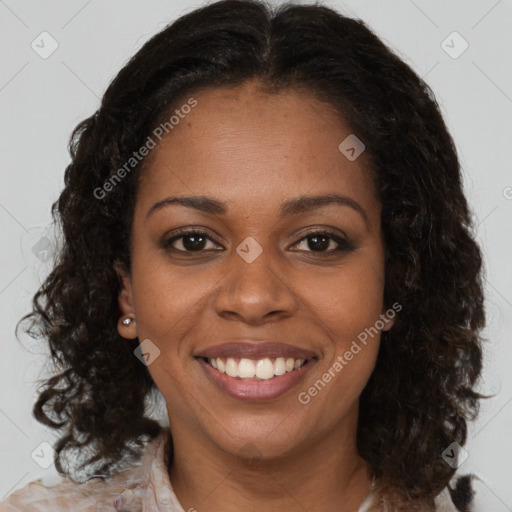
(264, 222)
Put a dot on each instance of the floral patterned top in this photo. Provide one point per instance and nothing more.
(144, 487)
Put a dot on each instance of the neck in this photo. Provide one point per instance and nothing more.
(328, 474)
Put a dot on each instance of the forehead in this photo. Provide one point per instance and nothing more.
(240, 144)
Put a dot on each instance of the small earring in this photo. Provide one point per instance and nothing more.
(128, 321)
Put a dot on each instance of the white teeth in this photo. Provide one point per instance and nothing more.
(246, 369)
(231, 367)
(263, 369)
(279, 366)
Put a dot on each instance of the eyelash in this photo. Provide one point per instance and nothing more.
(343, 244)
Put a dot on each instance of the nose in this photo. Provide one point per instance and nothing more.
(256, 292)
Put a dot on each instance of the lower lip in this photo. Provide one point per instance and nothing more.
(256, 390)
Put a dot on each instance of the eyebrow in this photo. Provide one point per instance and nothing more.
(290, 207)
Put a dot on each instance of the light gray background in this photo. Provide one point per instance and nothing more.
(41, 101)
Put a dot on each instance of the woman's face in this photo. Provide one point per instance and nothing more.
(255, 275)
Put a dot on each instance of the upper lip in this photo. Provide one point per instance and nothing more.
(255, 350)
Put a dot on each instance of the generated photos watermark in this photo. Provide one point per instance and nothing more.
(139, 155)
(363, 337)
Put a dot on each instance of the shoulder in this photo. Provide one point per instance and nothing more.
(66, 495)
(96, 495)
(37, 497)
(456, 497)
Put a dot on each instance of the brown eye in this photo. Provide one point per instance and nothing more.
(188, 241)
(325, 242)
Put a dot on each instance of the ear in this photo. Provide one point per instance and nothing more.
(389, 316)
(126, 306)
(388, 322)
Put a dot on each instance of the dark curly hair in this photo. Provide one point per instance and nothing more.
(422, 391)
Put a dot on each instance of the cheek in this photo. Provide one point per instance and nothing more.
(348, 308)
(348, 305)
(347, 301)
(167, 300)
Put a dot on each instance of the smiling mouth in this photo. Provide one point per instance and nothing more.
(255, 369)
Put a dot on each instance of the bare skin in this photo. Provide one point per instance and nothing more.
(254, 151)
